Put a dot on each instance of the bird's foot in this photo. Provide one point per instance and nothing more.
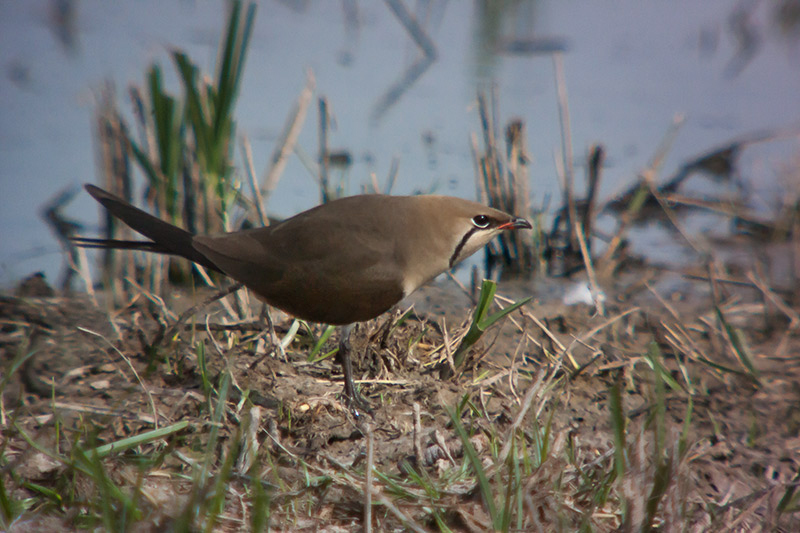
(353, 399)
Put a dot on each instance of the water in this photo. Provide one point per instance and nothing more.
(630, 68)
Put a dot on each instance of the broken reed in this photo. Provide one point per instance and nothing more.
(183, 147)
(503, 183)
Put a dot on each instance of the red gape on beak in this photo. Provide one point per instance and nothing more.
(516, 223)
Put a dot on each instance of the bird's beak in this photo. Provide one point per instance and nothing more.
(516, 223)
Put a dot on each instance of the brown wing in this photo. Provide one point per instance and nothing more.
(333, 264)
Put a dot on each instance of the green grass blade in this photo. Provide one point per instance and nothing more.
(202, 364)
(653, 358)
(739, 345)
(618, 426)
(136, 440)
(54, 496)
(312, 356)
(489, 322)
(512, 485)
(683, 442)
(150, 172)
(789, 494)
(23, 354)
(194, 107)
(400, 321)
(259, 519)
(168, 125)
(232, 66)
(217, 503)
(480, 323)
(116, 506)
(219, 410)
(743, 351)
(661, 482)
(8, 507)
(225, 79)
(477, 467)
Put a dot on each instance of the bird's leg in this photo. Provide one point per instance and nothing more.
(351, 394)
(272, 336)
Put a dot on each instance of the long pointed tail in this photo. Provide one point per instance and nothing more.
(145, 246)
(165, 237)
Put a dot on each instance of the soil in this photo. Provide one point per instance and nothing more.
(97, 375)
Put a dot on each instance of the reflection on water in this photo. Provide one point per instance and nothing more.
(400, 79)
(63, 15)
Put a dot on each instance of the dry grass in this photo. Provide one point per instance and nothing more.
(650, 418)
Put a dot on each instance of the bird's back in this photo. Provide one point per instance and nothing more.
(312, 263)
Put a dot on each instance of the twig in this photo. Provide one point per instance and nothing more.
(135, 373)
(192, 310)
(569, 182)
(562, 349)
(524, 407)
(776, 301)
(346, 479)
(461, 286)
(594, 331)
(413, 28)
(566, 136)
(368, 480)
(273, 338)
(208, 281)
(597, 295)
(418, 435)
(482, 194)
(86, 276)
(289, 136)
(153, 297)
(97, 410)
(376, 188)
(649, 180)
(392, 177)
(447, 347)
(249, 451)
(414, 71)
(323, 150)
(247, 155)
(630, 215)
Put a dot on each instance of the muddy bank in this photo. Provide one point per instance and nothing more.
(77, 376)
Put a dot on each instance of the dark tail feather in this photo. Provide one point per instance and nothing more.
(145, 246)
(165, 238)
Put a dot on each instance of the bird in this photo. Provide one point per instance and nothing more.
(345, 261)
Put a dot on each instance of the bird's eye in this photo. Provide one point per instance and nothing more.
(480, 221)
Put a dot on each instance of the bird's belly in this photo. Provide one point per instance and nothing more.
(331, 304)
